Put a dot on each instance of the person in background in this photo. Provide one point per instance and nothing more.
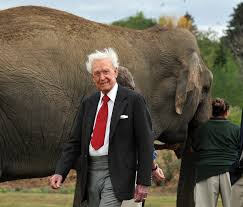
(216, 145)
(112, 134)
(236, 174)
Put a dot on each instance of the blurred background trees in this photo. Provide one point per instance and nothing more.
(234, 33)
(136, 22)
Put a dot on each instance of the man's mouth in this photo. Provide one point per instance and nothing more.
(102, 84)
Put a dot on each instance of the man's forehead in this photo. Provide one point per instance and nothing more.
(102, 63)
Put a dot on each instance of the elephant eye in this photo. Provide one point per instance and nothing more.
(205, 89)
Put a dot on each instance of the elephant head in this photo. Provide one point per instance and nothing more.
(177, 86)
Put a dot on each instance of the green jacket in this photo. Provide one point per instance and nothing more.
(216, 146)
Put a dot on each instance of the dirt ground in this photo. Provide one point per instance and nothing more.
(36, 182)
(165, 189)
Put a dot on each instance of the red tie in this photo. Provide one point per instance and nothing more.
(98, 137)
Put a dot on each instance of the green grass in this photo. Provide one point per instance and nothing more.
(235, 114)
(161, 201)
(19, 199)
(14, 199)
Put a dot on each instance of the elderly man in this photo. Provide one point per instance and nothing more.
(112, 133)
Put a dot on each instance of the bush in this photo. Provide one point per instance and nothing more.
(235, 114)
(171, 165)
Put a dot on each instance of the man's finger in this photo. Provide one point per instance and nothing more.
(140, 196)
(55, 181)
(58, 183)
(53, 184)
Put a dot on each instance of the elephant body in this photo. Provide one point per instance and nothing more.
(43, 79)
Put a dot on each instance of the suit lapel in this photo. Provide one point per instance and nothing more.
(119, 105)
(91, 115)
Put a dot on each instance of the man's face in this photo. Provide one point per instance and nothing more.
(104, 75)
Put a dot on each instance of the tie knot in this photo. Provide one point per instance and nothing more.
(105, 98)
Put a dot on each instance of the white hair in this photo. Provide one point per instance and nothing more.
(107, 53)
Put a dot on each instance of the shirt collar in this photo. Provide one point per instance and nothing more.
(112, 93)
(218, 118)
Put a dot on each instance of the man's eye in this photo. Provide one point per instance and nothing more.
(105, 72)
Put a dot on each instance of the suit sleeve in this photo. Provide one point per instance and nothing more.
(72, 148)
(144, 141)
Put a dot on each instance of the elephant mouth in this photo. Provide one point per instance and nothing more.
(172, 136)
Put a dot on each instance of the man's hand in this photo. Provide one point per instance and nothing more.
(141, 193)
(158, 175)
(56, 181)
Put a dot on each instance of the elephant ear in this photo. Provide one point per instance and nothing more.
(187, 80)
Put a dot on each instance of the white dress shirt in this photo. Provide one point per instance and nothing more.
(104, 149)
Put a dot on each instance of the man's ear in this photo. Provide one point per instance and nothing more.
(226, 113)
(93, 78)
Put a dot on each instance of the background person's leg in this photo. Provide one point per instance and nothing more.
(206, 192)
(237, 193)
(225, 189)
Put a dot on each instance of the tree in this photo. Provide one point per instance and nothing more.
(221, 57)
(167, 21)
(139, 21)
(193, 27)
(234, 33)
(186, 21)
(227, 82)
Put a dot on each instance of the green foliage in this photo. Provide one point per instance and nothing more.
(227, 81)
(171, 165)
(221, 58)
(235, 33)
(236, 22)
(139, 21)
(208, 46)
(235, 115)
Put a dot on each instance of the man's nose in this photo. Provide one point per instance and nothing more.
(102, 76)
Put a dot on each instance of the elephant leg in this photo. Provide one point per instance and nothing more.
(185, 195)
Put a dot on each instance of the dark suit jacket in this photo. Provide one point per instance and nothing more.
(236, 170)
(130, 143)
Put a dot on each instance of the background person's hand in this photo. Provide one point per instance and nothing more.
(141, 193)
(158, 175)
(56, 181)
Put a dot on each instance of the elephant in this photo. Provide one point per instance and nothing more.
(43, 80)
